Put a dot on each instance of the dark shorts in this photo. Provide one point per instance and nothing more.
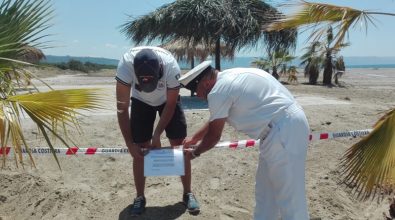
(143, 119)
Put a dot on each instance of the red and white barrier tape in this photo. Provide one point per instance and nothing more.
(226, 144)
(322, 136)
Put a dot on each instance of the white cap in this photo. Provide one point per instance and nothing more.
(193, 73)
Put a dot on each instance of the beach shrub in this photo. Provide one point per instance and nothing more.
(86, 67)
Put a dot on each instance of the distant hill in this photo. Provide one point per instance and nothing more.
(351, 62)
(64, 59)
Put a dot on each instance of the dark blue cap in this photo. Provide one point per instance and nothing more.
(147, 69)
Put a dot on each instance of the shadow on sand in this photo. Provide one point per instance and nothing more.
(167, 212)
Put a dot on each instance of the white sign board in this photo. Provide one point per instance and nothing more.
(164, 162)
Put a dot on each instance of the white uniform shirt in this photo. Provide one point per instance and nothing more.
(171, 73)
(249, 98)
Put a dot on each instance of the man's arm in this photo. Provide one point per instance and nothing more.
(123, 102)
(196, 137)
(167, 114)
(212, 136)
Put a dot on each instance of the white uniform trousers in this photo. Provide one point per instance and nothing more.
(280, 179)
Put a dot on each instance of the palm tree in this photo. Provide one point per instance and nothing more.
(21, 25)
(368, 164)
(292, 74)
(328, 60)
(329, 54)
(236, 23)
(311, 60)
(280, 42)
(278, 60)
(321, 54)
(340, 68)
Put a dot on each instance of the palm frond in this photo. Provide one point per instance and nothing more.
(261, 63)
(58, 104)
(369, 165)
(21, 23)
(313, 14)
(50, 111)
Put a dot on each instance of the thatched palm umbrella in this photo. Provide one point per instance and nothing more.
(237, 23)
(184, 50)
(31, 54)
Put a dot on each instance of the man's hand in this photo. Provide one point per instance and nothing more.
(188, 154)
(188, 142)
(155, 143)
(136, 151)
(209, 136)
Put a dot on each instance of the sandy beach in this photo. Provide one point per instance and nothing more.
(101, 186)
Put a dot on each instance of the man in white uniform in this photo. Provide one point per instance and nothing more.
(255, 103)
(150, 74)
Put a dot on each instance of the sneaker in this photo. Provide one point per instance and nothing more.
(191, 203)
(138, 206)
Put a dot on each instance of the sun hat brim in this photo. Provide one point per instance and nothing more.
(188, 78)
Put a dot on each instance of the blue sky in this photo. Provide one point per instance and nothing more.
(91, 28)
